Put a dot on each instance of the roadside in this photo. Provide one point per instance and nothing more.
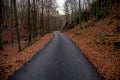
(9, 64)
(97, 41)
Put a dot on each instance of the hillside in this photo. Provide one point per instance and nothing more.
(98, 43)
(11, 60)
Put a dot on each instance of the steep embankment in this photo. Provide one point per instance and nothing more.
(98, 43)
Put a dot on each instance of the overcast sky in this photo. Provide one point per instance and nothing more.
(60, 4)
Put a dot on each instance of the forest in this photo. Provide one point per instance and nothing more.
(26, 26)
(31, 16)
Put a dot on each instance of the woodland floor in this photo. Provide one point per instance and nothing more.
(11, 60)
(96, 42)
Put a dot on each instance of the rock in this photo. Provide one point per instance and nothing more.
(116, 44)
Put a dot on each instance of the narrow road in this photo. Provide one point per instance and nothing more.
(61, 59)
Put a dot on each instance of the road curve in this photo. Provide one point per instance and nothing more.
(60, 59)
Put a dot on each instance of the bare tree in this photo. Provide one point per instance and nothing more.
(1, 12)
(66, 9)
(34, 18)
(42, 12)
(16, 24)
(29, 26)
(80, 14)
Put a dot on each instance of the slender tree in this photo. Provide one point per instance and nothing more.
(29, 26)
(11, 6)
(1, 46)
(34, 18)
(110, 10)
(42, 12)
(16, 25)
(66, 9)
(80, 14)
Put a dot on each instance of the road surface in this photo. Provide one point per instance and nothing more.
(60, 59)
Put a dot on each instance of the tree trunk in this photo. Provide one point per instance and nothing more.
(110, 10)
(34, 18)
(29, 27)
(16, 25)
(41, 21)
(96, 16)
(11, 6)
(80, 20)
(48, 20)
(1, 46)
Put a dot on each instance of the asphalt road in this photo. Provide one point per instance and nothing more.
(60, 59)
